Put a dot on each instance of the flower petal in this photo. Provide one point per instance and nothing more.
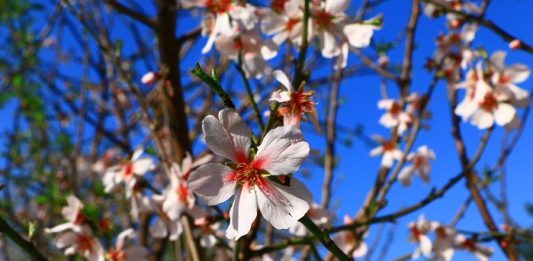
(359, 35)
(282, 151)
(211, 183)
(283, 79)
(282, 205)
(242, 213)
(504, 114)
(217, 138)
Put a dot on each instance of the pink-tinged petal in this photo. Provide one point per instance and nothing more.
(67, 239)
(361, 251)
(282, 205)
(217, 138)
(425, 245)
(158, 229)
(376, 151)
(96, 253)
(172, 206)
(359, 35)
(212, 183)
(59, 228)
(71, 211)
(387, 160)
(280, 96)
(141, 166)
(272, 22)
(517, 72)
(328, 43)
(242, 213)
(282, 151)
(466, 108)
(406, 175)
(337, 6)
(497, 59)
(504, 114)
(283, 79)
(483, 119)
(175, 230)
(238, 131)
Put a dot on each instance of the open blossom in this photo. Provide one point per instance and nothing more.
(420, 164)
(221, 17)
(395, 116)
(486, 107)
(336, 33)
(388, 149)
(444, 246)
(125, 172)
(254, 50)
(505, 78)
(123, 253)
(284, 20)
(73, 214)
(81, 242)
(347, 241)
(295, 103)
(418, 233)
(253, 179)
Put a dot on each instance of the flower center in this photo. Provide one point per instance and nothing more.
(388, 145)
(116, 255)
(323, 19)
(128, 169)
(247, 174)
(183, 193)
(278, 5)
(395, 109)
(217, 6)
(489, 103)
(291, 23)
(84, 243)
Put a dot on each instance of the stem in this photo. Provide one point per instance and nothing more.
(213, 83)
(250, 94)
(323, 237)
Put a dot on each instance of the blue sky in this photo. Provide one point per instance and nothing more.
(356, 171)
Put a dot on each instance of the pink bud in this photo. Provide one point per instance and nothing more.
(515, 44)
(383, 61)
(150, 78)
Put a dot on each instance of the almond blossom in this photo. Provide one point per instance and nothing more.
(395, 116)
(505, 78)
(123, 253)
(444, 246)
(418, 233)
(126, 172)
(295, 103)
(347, 241)
(486, 107)
(388, 149)
(248, 48)
(220, 16)
(482, 253)
(253, 179)
(420, 165)
(284, 20)
(73, 214)
(81, 242)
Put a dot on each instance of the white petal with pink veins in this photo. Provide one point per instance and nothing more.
(211, 184)
(239, 132)
(141, 166)
(282, 151)
(483, 119)
(504, 114)
(283, 205)
(217, 138)
(242, 213)
(359, 35)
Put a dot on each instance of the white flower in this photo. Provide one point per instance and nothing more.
(284, 20)
(505, 78)
(486, 107)
(254, 51)
(444, 246)
(126, 171)
(252, 178)
(394, 116)
(123, 253)
(81, 242)
(72, 213)
(347, 241)
(420, 164)
(387, 149)
(418, 233)
(294, 103)
(221, 16)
